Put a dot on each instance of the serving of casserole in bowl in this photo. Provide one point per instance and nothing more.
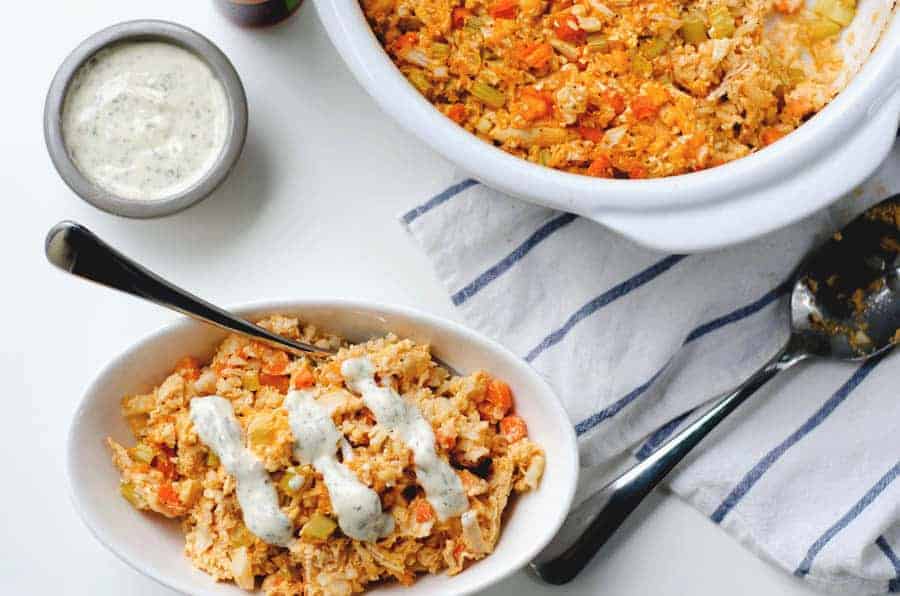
(198, 456)
(683, 125)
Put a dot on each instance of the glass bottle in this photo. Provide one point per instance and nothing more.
(258, 13)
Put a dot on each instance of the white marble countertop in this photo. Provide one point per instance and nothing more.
(310, 211)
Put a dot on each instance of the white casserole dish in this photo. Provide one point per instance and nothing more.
(812, 167)
(154, 546)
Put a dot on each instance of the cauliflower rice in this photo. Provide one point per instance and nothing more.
(171, 472)
(619, 88)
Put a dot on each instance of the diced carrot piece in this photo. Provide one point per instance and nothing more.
(499, 393)
(566, 28)
(279, 382)
(535, 55)
(275, 362)
(423, 511)
(457, 113)
(534, 104)
(615, 101)
(167, 495)
(643, 107)
(513, 428)
(657, 94)
(459, 15)
(504, 9)
(600, 168)
(590, 133)
(303, 379)
(637, 172)
(405, 42)
(770, 135)
(189, 368)
(798, 107)
(498, 400)
(788, 6)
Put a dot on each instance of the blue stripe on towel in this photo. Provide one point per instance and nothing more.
(660, 436)
(608, 412)
(512, 258)
(704, 329)
(757, 472)
(602, 300)
(894, 584)
(858, 507)
(741, 313)
(437, 199)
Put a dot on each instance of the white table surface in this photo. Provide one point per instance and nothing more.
(311, 210)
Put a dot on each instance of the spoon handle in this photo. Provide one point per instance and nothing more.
(76, 250)
(607, 510)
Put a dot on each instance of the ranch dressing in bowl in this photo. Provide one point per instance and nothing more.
(145, 120)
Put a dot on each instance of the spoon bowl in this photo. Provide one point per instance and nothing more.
(846, 302)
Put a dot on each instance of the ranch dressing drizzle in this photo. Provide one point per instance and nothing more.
(316, 439)
(443, 488)
(145, 120)
(214, 421)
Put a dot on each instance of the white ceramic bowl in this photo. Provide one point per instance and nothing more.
(154, 546)
(812, 167)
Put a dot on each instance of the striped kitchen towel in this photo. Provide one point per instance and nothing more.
(633, 341)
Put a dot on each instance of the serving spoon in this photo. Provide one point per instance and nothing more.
(845, 305)
(76, 250)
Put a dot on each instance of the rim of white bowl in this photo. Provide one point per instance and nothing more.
(350, 33)
(528, 553)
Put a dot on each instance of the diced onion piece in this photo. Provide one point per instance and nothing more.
(415, 56)
(241, 569)
(202, 539)
(720, 49)
(541, 136)
(484, 125)
(206, 382)
(488, 94)
(534, 471)
(143, 453)
(601, 8)
(472, 532)
(589, 24)
(612, 136)
(564, 48)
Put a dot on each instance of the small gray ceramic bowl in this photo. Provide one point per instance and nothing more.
(146, 30)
